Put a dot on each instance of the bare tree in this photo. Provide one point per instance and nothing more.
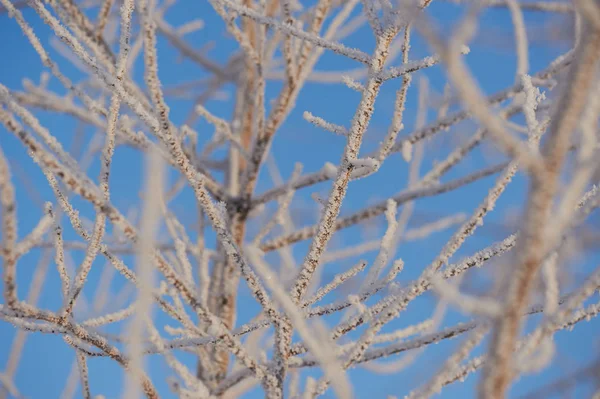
(286, 284)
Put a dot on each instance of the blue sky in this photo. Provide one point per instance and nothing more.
(46, 359)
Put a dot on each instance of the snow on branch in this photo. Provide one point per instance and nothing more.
(132, 192)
